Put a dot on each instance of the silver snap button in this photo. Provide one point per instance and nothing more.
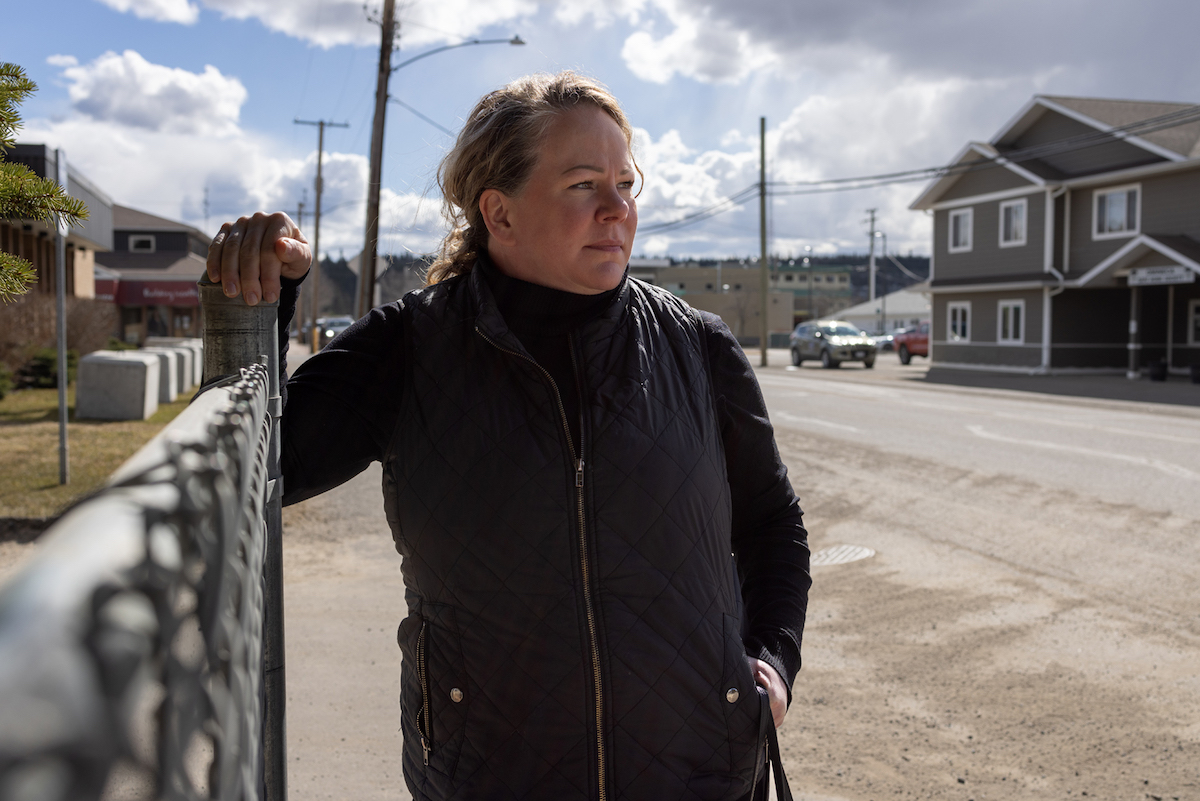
(456, 695)
(731, 695)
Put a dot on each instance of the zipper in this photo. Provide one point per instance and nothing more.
(423, 723)
(584, 562)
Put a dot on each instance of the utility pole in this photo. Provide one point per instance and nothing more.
(300, 310)
(871, 258)
(316, 244)
(366, 265)
(60, 292)
(762, 234)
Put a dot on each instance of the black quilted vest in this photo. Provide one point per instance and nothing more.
(574, 627)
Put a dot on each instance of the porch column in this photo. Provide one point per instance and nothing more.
(1170, 324)
(1135, 346)
(1047, 299)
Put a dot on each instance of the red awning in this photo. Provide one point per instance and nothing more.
(106, 289)
(157, 293)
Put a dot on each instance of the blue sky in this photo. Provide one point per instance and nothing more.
(157, 100)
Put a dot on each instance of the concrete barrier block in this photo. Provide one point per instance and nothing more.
(185, 363)
(195, 344)
(117, 385)
(170, 372)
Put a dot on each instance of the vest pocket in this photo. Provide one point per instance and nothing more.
(743, 708)
(434, 694)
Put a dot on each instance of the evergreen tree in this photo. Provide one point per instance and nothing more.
(23, 195)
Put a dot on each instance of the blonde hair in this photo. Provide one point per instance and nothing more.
(497, 148)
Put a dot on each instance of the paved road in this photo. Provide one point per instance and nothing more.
(1119, 452)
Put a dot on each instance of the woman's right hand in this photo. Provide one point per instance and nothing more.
(249, 256)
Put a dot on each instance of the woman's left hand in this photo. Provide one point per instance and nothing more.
(769, 678)
(249, 256)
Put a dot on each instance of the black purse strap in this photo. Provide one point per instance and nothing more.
(774, 760)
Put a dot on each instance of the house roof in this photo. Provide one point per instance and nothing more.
(1183, 140)
(127, 219)
(1171, 143)
(162, 266)
(909, 301)
(1182, 250)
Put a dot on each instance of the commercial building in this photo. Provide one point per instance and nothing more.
(33, 240)
(151, 273)
(1071, 240)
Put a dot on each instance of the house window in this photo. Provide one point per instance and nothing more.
(960, 230)
(789, 278)
(1194, 322)
(959, 321)
(141, 243)
(1010, 322)
(1116, 212)
(1012, 223)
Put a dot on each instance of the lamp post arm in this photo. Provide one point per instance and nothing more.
(516, 40)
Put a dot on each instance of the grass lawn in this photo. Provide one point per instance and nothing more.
(29, 450)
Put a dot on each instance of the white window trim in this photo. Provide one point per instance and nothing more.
(1018, 303)
(958, 304)
(1193, 313)
(1024, 204)
(149, 237)
(969, 213)
(1096, 193)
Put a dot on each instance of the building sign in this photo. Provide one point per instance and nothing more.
(1160, 276)
(106, 289)
(157, 293)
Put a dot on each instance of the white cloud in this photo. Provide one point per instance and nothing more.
(329, 23)
(59, 60)
(180, 11)
(130, 91)
(697, 48)
(156, 138)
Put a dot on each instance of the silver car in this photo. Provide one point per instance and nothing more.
(833, 342)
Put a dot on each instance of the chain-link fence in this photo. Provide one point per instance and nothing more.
(141, 645)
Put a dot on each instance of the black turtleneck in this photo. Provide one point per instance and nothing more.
(542, 319)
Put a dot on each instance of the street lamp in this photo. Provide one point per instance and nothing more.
(366, 269)
(516, 40)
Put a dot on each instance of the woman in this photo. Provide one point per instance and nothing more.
(570, 458)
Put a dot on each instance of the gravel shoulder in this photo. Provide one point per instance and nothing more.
(1006, 641)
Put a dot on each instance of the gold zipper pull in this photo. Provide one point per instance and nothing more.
(579, 472)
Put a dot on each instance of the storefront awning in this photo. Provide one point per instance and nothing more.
(157, 293)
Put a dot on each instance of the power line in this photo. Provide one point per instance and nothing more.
(816, 187)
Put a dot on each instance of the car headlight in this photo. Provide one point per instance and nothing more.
(329, 332)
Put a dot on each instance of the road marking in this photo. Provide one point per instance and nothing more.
(791, 418)
(1157, 464)
(1097, 427)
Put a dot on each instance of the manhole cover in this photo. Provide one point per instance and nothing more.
(840, 555)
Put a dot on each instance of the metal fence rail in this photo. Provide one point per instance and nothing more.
(140, 656)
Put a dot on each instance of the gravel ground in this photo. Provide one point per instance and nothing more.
(972, 657)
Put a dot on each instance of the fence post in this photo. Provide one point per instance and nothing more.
(237, 335)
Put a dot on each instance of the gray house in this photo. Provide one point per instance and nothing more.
(1070, 241)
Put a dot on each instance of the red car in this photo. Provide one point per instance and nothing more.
(912, 342)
